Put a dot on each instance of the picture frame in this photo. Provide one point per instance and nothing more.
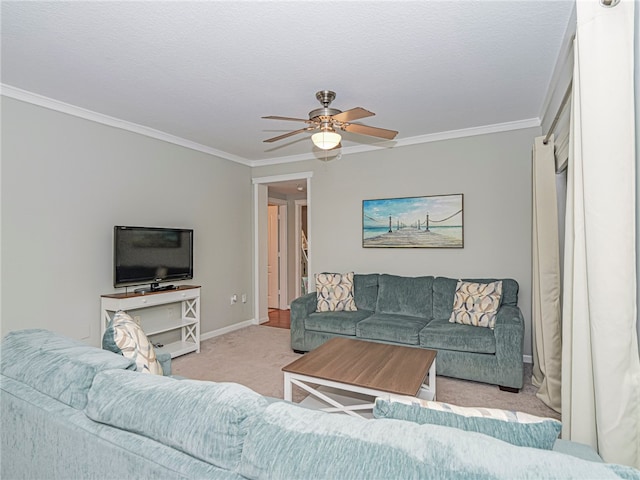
(434, 221)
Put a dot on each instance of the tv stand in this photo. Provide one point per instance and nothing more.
(185, 319)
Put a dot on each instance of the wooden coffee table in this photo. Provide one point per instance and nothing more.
(343, 374)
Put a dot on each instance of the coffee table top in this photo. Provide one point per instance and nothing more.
(380, 366)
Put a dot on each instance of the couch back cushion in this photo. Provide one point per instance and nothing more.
(289, 441)
(365, 291)
(410, 296)
(55, 365)
(204, 419)
(444, 290)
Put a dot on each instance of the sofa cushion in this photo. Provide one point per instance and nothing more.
(391, 328)
(575, 449)
(405, 296)
(55, 365)
(342, 323)
(476, 303)
(440, 334)
(125, 337)
(334, 292)
(43, 439)
(285, 440)
(365, 290)
(517, 428)
(284, 444)
(444, 290)
(204, 419)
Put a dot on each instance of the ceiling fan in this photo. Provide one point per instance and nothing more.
(328, 120)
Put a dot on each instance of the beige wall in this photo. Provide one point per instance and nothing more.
(492, 171)
(67, 181)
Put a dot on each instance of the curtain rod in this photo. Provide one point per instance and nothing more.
(563, 104)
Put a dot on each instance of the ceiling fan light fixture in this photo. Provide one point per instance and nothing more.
(326, 140)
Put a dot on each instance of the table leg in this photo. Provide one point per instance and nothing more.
(428, 390)
(432, 379)
(288, 390)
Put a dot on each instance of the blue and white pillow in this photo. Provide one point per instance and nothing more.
(334, 292)
(517, 428)
(125, 337)
(476, 304)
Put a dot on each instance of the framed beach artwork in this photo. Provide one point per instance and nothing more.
(413, 222)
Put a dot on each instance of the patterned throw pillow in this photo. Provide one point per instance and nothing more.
(334, 292)
(130, 340)
(517, 428)
(476, 303)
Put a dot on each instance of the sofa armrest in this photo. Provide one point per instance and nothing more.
(301, 308)
(509, 334)
(165, 362)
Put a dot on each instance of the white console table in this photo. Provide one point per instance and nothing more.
(188, 323)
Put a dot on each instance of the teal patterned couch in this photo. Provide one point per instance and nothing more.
(415, 311)
(70, 411)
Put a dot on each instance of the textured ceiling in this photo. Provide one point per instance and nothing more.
(206, 72)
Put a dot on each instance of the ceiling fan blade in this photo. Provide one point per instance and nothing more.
(295, 132)
(353, 114)
(291, 119)
(371, 131)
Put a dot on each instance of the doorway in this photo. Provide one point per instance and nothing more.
(277, 256)
(302, 249)
(276, 220)
(273, 269)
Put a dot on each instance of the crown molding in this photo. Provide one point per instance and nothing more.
(46, 102)
(470, 132)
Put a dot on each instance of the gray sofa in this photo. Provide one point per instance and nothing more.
(70, 411)
(415, 311)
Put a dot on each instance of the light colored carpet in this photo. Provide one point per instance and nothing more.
(254, 356)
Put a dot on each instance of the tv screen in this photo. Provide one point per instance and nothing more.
(151, 255)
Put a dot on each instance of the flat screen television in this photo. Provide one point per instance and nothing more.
(151, 255)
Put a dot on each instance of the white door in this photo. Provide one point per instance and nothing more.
(272, 258)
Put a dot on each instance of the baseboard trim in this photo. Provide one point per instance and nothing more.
(527, 359)
(228, 329)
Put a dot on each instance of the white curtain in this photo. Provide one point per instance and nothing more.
(545, 308)
(561, 133)
(600, 365)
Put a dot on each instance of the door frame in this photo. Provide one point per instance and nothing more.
(258, 236)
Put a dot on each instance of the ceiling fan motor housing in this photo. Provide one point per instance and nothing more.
(318, 113)
(325, 97)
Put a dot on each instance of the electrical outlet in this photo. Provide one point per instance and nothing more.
(244, 298)
(136, 318)
(234, 299)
